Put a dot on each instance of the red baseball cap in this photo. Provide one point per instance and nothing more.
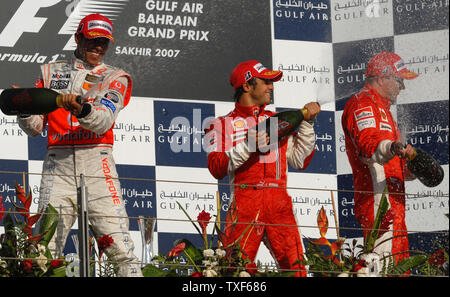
(249, 69)
(95, 25)
(386, 63)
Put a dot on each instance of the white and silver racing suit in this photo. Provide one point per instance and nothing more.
(83, 145)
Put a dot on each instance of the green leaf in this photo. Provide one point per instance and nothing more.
(409, 263)
(192, 221)
(59, 272)
(48, 224)
(8, 222)
(373, 235)
(9, 239)
(193, 255)
(153, 271)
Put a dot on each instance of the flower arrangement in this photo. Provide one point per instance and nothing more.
(350, 260)
(23, 254)
(209, 261)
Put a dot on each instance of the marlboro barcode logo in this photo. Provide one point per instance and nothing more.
(259, 67)
(364, 112)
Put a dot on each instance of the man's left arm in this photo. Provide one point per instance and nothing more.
(301, 146)
(100, 115)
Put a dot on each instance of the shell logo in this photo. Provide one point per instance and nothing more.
(240, 124)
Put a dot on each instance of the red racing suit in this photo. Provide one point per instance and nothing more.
(258, 182)
(83, 145)
(369, 130)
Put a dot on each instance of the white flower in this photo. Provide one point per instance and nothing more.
(41, 260)
(209, 273)
(206, 262)
(244, 274)
(373, 263)
(343, 274)
(221, 253)
(208, 253)
(3, 263)
(41, 249)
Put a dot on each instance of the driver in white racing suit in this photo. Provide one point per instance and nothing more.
(80, 141)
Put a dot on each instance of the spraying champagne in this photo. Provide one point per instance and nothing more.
(422, 165)
(286, 122)
(425, 168)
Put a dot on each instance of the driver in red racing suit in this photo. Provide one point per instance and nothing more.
(375, 152)
(257, 179)
(80, 140)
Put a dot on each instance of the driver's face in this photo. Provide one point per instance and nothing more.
(94, 49)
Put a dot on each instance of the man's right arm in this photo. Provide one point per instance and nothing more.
(362, 124)
(226, 151)
(32, 125)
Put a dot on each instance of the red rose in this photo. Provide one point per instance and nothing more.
(359, 265)
(104, 242)
(437, 258)
(27, 266)
(196, 274)
(56, 263)
(203, 219)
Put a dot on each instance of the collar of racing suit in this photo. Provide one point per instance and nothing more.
(247, 111)
(378, 98)
(80, 64)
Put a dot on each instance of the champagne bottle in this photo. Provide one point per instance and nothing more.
(286, 122)
(425, 168)
(29, 101)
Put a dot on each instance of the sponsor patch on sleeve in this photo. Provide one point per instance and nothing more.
(108, 104)
(211, 141)
(117, 86)
(112, 96)
(364, 112)
(366, 123)
(386, 127)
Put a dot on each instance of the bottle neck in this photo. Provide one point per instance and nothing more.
(414, 155)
